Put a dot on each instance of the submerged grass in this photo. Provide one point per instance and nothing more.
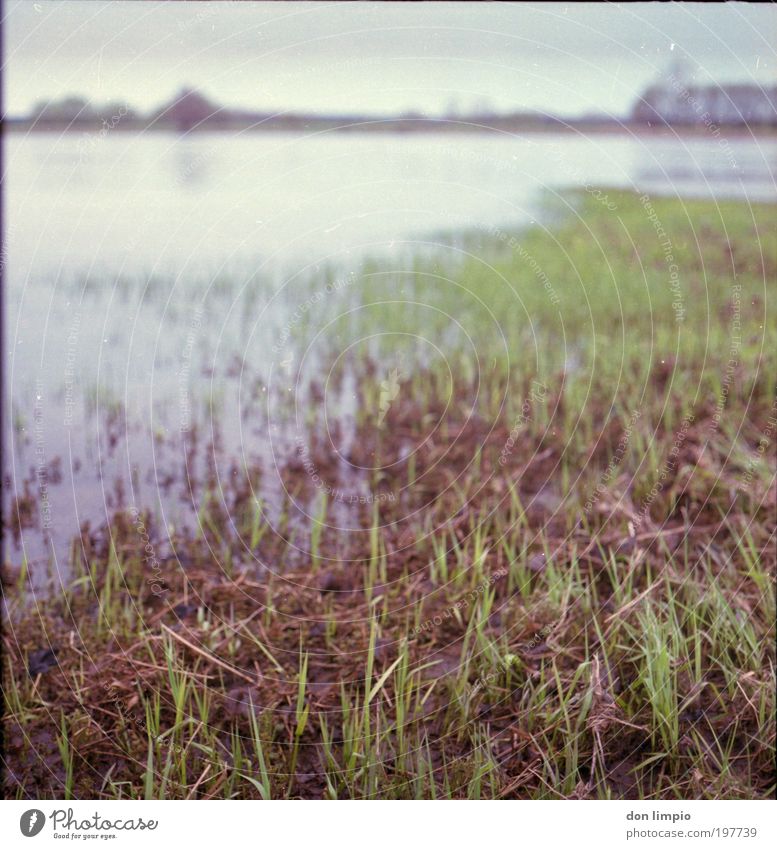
(570, 593)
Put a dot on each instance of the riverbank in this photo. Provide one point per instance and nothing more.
(539, 560)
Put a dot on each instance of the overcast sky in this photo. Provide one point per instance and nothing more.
(377, 57)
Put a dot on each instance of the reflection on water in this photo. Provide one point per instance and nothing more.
(151, 276)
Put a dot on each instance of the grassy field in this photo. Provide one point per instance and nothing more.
(560, 583)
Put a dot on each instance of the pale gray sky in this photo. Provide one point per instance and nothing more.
(377, 57)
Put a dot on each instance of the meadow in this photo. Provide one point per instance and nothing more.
(535, 557)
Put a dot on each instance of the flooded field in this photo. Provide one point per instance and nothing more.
(390, 413)
(495, 521)
(171, 299)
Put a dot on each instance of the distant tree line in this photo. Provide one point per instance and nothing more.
(669, 102)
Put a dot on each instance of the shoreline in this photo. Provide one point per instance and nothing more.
(413, 127)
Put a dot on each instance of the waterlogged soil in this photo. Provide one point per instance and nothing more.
(238, 602)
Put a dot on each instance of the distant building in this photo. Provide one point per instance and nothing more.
(677, 102)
